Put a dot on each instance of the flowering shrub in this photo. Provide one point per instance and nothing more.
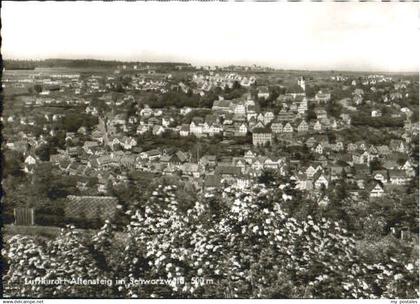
(228, 245)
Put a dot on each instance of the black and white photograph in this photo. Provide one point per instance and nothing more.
(210, 150)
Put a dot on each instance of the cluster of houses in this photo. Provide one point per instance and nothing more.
(207, 82)
(211, 171)
(112, 152)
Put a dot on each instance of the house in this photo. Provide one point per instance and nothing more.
(380, 175)
(361, 145)
(288, 128)
(375, 189)
(208, 160)
(303, 126)
(239, 109)
(263, 92)
(390, 164)
(153, 121)
(185, 110)
(157, 112)
(73, 151)
(326, 122)
(128, 142)
(222, 105)
(118, 119)
(323, 201)
(166, 121)
(321, 113)
(179, 157)
(29, 162)
(338, 146)
(277, 127)
(82, 130)
(141, 129)
(351, 147)
(258, 125)
(397, 145)
(226, 171)
(146, 111)
(88, 145)
(212, 129)
(185, 130)
(336, 172)
(358, 92)
(408, 168)
(302, 182)
(321, 97)
(242, 182)
(376, 113)
(320, 180)
(398, 177)
(346, 118)
(358, 100)
(302, 105)
(372, 149)
(268, 117)
(383, 150)
(310, 171)
(260, 118)
(249, 156)
(158, 130)
(272, 164)
(319, 149)
(317, 126)
(310, 142)
(196, 128)
(242, 130)
(191, 169)
(251, 112)
(151, 154)
(261, 137)
(284, 115)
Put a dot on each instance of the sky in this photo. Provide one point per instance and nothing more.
(286, 35)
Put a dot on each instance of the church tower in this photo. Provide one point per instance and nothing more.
(301, 82)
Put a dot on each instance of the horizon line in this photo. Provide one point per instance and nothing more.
(222, 65)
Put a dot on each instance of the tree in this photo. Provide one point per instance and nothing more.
(43, 152)
(38, 88)
(269, 178)
(12, 163)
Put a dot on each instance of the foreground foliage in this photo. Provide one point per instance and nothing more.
(228, 245)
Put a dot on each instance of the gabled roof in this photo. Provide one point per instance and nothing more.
(318, 174)
(396, 173)
(382, 172)
(230, 170)
(181, 156)
(222, 103)
(212, 181)
(372, 184)
(261, 130)
(91, 207)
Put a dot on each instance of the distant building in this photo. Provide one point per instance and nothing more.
(261, 137)
(263, 93)
(301, 83)
(375, 190)
(321, 97)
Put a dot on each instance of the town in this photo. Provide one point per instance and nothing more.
(77, 140)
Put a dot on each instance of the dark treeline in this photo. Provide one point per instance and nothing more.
(79, 63)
